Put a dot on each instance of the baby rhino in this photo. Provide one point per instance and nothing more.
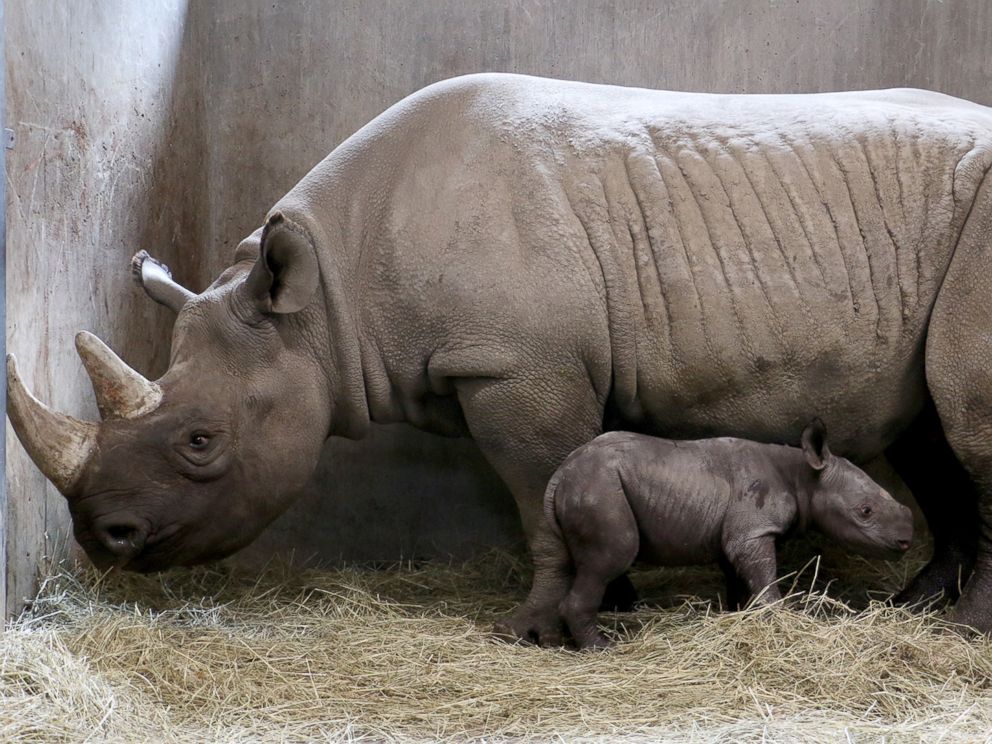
(626, 496)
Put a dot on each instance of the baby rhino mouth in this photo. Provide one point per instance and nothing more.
(898, 547)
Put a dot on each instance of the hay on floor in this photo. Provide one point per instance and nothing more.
(404, 655)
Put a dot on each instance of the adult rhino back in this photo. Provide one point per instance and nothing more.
(508, 257)
(783, 260)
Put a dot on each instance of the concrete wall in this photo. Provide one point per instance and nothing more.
(107, 125)
(172, 128)
(3, 345)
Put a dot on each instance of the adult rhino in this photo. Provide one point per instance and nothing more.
(520, 260)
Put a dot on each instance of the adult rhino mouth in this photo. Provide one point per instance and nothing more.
(136, 549)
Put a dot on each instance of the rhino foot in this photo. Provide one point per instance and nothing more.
(939, 583)
(972, 617)
(600, 643)
(972, 610)
(532, 625)
(928, 592)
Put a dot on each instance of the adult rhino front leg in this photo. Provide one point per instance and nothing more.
(526, 426)
(925, 461)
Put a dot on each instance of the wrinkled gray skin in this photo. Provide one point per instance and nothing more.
(526, 261)
(626, 497)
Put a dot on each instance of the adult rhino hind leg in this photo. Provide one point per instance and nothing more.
(526, 427)
(959, 375)
(925, 461)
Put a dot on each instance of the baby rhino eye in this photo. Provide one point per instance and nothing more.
(865, 510)
(199, 440)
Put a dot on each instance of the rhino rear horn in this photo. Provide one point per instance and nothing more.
(120, 391)
(59, 445)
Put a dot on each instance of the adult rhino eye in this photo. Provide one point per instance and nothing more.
(866, 511)
(204, 451)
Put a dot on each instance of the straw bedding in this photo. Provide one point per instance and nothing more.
(403, 655)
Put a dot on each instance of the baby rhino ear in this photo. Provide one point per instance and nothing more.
(815, 445)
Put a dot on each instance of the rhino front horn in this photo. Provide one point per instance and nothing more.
(59, 445)
(120, 391)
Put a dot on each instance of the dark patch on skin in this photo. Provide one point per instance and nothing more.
(826, 369)
(715, 394)
(975, 402)
(758, 490)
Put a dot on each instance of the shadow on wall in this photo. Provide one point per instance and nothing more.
(398, 494)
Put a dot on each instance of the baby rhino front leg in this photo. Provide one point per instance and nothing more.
(753, 558)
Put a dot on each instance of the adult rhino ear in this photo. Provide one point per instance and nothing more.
(814, 441)
(285, 275)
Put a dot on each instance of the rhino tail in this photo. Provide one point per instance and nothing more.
(550, 504)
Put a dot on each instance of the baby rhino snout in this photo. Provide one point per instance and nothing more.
(899, 526)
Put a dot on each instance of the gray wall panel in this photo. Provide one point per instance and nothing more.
(106, 126)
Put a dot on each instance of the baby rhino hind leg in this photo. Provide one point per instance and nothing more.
(601, 534)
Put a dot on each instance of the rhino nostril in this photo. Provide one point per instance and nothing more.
(123, 539)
